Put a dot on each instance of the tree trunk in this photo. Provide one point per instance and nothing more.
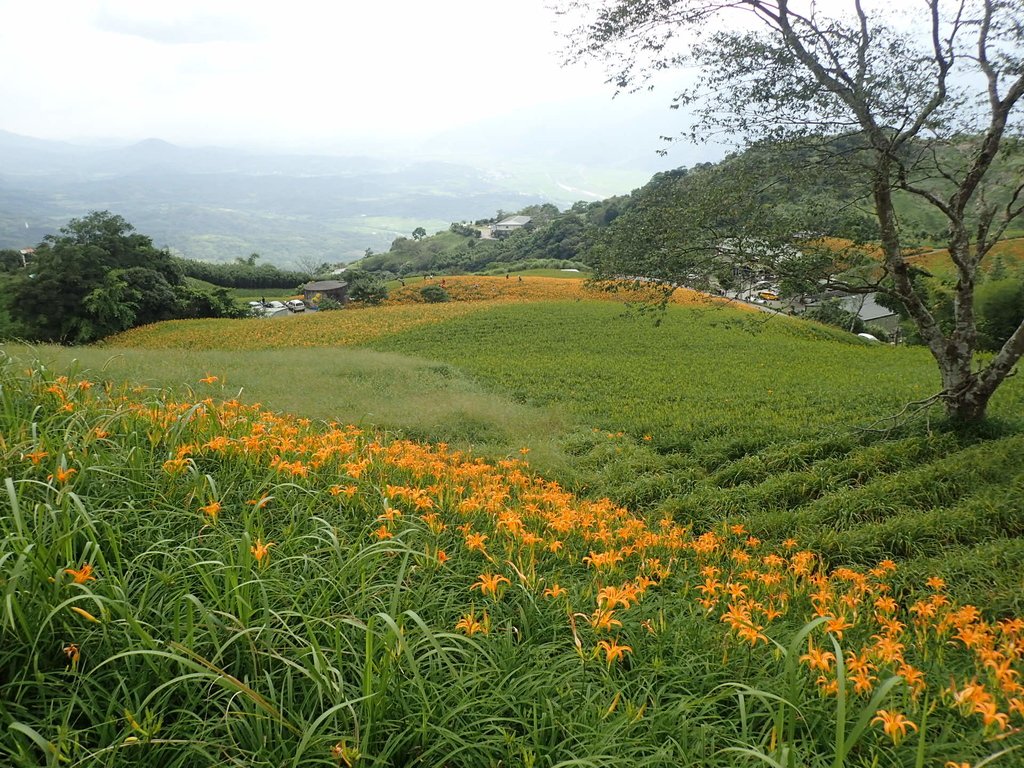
(963, 396)
(966, 409)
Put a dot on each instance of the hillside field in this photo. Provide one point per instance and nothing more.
(524, 527)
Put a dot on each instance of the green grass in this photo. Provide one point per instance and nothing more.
(407, 396)
(246, 294)
(769, 423)
(747, 419)
(721, 379)
(188, 648)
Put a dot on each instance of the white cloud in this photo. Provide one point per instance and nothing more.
(214, 70)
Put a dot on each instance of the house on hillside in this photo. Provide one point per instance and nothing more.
(506, 227)
(325, 289)
(870, 311)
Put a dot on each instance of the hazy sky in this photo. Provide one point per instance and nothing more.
(251, 72)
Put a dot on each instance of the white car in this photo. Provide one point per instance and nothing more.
(296, 305)
(271, 308)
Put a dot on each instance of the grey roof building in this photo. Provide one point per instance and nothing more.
(509, 225)
(331, 289)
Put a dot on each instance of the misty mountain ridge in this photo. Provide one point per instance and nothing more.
(217, 203)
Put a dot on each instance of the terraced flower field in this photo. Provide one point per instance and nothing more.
(406, 308)
(745, 560)
(1009, 251)
(189, 583)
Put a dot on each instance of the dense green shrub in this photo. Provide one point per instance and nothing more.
(327, 304)
(1000, 307)
(242, 273)
(434, 294)
(365, 287)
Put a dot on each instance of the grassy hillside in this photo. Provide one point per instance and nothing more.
(1008, 253)
(192, 580)
(713, 413)
(198, 582)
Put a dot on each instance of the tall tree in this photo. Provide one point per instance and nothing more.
(99, 276)
(924, 104)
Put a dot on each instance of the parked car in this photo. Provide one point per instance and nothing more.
(271, 308)
(296, 305)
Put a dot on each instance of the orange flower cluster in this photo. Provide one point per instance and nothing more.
(515, 529)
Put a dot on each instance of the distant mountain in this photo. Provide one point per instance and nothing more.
(217, 204)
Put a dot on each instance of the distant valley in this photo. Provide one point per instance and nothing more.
(219, 204)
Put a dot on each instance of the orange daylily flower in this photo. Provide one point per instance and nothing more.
(212, 509)
(471, 626)
(261, 551)
(63, 474)
(612, 597)
(174, 466)
(613, 650)
(490, 583)
(818, 658)
(837, 625)
(602, 619)
(990, 715)
(895, 724)
(36, 456)
(73, 652)
(82, 575)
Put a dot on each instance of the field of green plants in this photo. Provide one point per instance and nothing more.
(696, 543)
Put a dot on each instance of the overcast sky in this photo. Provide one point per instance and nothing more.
(247, 72)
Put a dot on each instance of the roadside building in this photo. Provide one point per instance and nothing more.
(325, 289)
(506, 227)
(870, 311)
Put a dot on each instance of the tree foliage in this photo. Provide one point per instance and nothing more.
(558, 238)
(1000, 311)
(434, 294)
(98, 277)
(245, 273)
(928, 110)
(10, 260)
(365, 287)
